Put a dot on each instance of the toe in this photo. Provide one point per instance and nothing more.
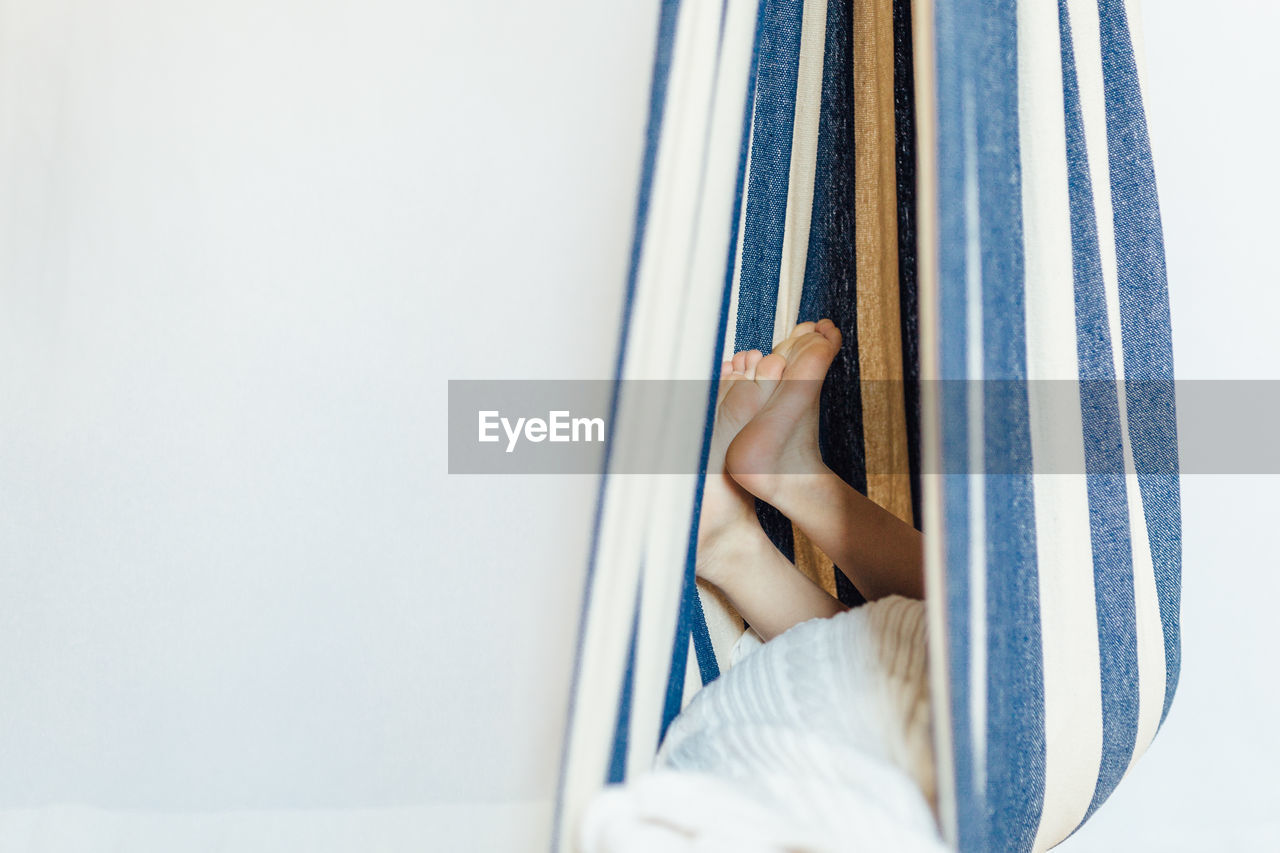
(812, 355)
(828, 330)
(785, 346)
(726, 384)
(753, 358)
(769, 368)
(804, 328)
(740, 362)
(726, 367)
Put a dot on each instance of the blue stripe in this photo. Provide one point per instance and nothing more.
(653, 135)
(830, 277)
(708, 669)
(775, 104)
(622, 726)
(1145, 333)
(831, 253)
(1015, 690)
(680, 646)
(778, 42)
(1104, 454)
(952, 62)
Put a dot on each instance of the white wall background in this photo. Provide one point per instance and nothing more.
(242, 247)
(1211, 780)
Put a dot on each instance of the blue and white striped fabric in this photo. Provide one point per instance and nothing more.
(980, 206)
(1053, 596)
(640, 577)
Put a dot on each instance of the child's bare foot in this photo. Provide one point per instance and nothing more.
(782, 439)
(776, 458)
(728, 512)
(733, 551)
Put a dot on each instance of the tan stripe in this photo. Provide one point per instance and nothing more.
(884, 418)
(812, 563)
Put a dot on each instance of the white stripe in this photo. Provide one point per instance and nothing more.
(692, 675)
(723, 629)
(1068, 610)
(1151, 663)
(977, 448)
(932, 483)
(700, 253)
(731, 320)
(663, 289)
(804, 163)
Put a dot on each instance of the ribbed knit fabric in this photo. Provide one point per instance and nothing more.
(818, 740)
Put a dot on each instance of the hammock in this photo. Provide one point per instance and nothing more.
(966, 188)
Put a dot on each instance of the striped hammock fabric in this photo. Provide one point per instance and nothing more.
(966, 189)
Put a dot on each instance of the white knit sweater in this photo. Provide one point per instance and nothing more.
(816, 741)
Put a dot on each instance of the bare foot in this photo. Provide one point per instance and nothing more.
(775, 457)
(728, 519)
(782, 439)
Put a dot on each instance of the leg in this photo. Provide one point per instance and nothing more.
(776, 458)
(733, 551)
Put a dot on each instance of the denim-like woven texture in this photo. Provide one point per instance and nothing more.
(1109, 523)
(1011, 788)
(766, 200)
(830, 281)
(1046, 698)
(1144, 315)
(636, 599)
(1022, 781)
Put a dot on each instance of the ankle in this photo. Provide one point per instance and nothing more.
(790, 488)
(729, 552)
